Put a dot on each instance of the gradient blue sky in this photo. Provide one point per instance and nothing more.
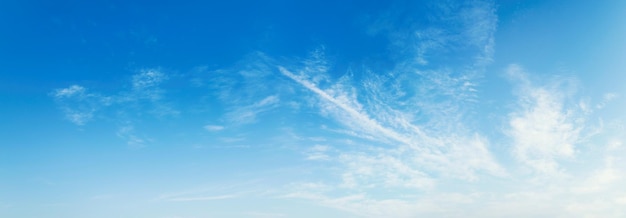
(312, 109)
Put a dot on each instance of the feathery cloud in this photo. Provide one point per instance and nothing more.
(248, 113)
(542, 129)
(70, 91)
(81, 105)
(127, 133)
(78, 104)
(417, 131)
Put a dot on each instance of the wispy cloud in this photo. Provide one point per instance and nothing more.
(127, 133)
(242, 84)
(601, 180)
(451, 28)
(79, 117)
(263, 214)
(479, 26)
(382, 170)
(343, 102)
(70, 91)
(202, 198)
(440, 204)
(248, 113)
(415, 132)
(403, 141)
(148, 78)
(147, 92)
(435, 151)
(81, 105)
(213, 128)
(542, 129)
(606, 98)
(78, 104)
(226, 191)
(318, 152)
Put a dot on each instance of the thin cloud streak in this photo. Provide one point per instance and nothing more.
(203, 198)
(248, 114)
(362, 118)
(70, 91)
(213, 128)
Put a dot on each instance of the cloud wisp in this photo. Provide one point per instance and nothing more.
(214, 128)
(81, 105)
(542, 129)
(248, 114)
(414, 144)
(417, 141)
(202, 198)
(547, 131)
(78, 104)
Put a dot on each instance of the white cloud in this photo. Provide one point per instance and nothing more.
(70, 91)
(264, 214)
(148, 93)
(81, 105)
(269, 100)
(407, 143)
(79, 118)
(606, 98)
(247, 114)
(318, 152)
(518, 199)
(621, 200)
(214, 192)
(432, 204)
(451, 29)
(384, 170)
(543, 129)
(599, 181)
(78, 104)
(462, 156)
(247, 82)
(349, 106)
(414, 118)
(480, 22)
(610, 96)
(148, 78)
(201, 198)
(614, 145)
(127, 133)
(443, 151)
(213, 128)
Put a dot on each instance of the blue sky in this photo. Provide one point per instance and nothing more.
(312, 109)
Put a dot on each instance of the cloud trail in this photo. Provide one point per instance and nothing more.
(372, 125)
